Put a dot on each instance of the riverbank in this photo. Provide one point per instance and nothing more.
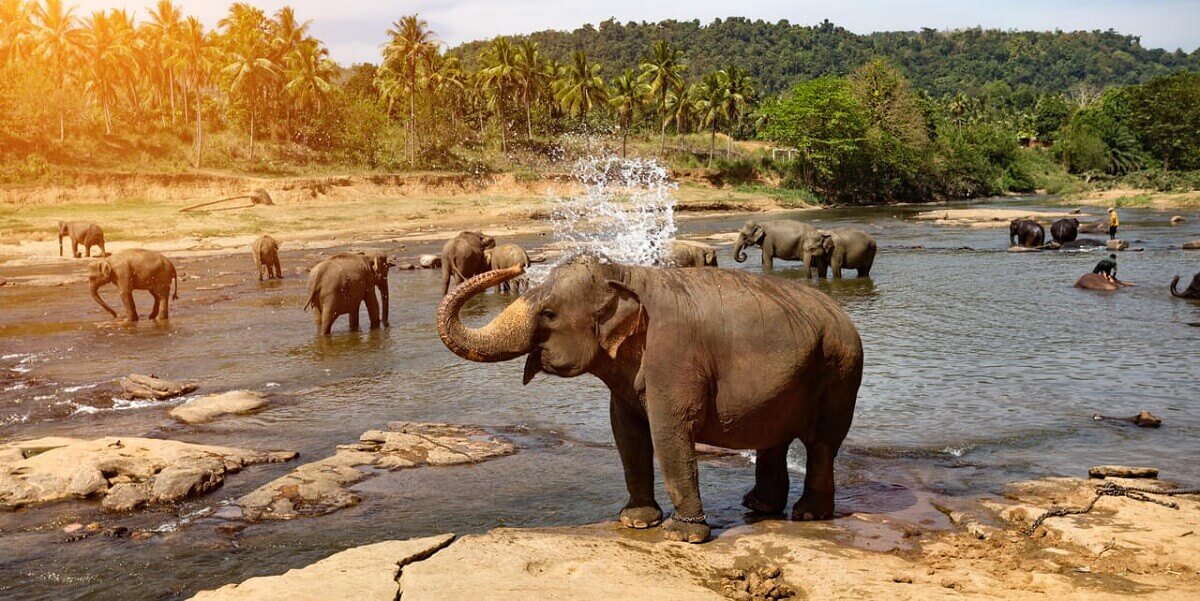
(1122, 547)
(143, 210)
(1137, 198)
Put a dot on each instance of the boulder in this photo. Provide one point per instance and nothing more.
(209, 407)
(1116, 245)
(1122, 471)
(320, 487)
(163, 471)
(429, 261)
(1023, 249)
(1191, 245)
(365, 573)
(137, 386)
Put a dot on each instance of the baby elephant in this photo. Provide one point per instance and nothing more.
(505, 256)
(266, 258)
(686, 253)
(844, 247)
(135, 269)
(338, 286)
(81, 232)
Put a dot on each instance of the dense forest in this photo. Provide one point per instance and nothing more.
(779, 55)
(863, 119)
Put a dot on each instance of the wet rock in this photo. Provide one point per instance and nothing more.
(1191, 245)
(1144, 419)
(366, 573)
(126, 496)
(138, 386)
(429, 261)
(126, 467)
(320, 487)
(209, 407)
(1116, 245)
(1122, 471)
(1024, 249)
(1178, 219)
(405, 267)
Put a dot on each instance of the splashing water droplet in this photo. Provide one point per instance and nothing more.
(626, 211)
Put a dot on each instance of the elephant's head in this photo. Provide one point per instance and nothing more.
(487, 256)
(569, 325)
(818, 244)
(62, 233)
(484, 241)
(100, 273)
(751, 234)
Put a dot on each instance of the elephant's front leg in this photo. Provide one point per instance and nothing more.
(768, 260)
(632, 434)
(383, 305)
(372, 308)
(74, 249)
(354, 311)
(674, 417)
(154, 310)
(836, 265)
(127, 300)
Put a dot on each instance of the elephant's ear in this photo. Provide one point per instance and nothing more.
(619, 317)
(106, 271)
(758, 234)
(827, 241)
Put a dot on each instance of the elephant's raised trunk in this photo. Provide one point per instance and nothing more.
(508, 336)
(96, 296)
(738, 254)
(1174, 292)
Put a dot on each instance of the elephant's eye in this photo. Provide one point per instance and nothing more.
(548, 314)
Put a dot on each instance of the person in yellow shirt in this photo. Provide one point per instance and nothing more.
(1113, 222)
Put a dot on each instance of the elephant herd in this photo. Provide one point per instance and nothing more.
(818, 250)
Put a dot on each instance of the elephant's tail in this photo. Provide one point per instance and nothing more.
(312, 300)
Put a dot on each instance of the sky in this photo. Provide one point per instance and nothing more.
(354, 29)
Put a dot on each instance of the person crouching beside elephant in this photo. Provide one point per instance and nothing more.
(783, 239)
(714, 356)
(505, 256)
(846, 247)
(135, 269)
(463, 258)
(266, 258)
(83, 233)
(340, 285)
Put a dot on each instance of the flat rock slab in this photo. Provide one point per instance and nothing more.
(365, 573)
(138, 386)
(1122, 471)
(320, 487)
(132, 471)
(1191, 245)
(212, 406)
(987, 217)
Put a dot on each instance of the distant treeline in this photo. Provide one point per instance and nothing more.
(779, 55)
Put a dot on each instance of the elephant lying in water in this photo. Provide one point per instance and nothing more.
(1096, 281)
(135, 269)
(714, 356)
(686, 253)
(1193, 289)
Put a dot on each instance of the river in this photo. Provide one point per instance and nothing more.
(982, 367)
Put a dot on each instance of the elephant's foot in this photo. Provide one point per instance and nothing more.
(766, 502)
(641, 517)
(810, 507)
(687, 532)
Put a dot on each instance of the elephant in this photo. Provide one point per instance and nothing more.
(782, 239)
(135, 269)
(462, 257)
(380, 265)
(1064, 230)
(338, 286)
(1193, 289)
(266, 258)
(81, 232)
(714, 356)
(505, 256)
(1096, 281)
(846, 247)
(1026, 232)
(686, 253)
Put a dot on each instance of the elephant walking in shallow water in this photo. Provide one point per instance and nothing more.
(340, 285)
(135, 269)
(711, 356)
(505, 256)
(783, 239)
(463, 257)
(1026, 232)
(266, 258)
(80, 232)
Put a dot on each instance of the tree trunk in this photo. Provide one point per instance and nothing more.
(712, 143)
(62, 127)
(171, 86)
(107, 120)
(251, 135)
(199, 131)
(528, 115)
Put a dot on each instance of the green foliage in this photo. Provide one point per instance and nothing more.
(1165, 116)
(1050, 115)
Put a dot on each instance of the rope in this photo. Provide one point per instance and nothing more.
(1111, 489)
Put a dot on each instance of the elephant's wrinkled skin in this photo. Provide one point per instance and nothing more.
(1027, 233)
(1096, 281)
(505, 256)
(266, 258)
(686, 253)
(782, 239)
(380, 265)
(83, 233)
(338, 286)
(712, 356)
(1193, 289)
(135, 269)
(463, 258)
(1064, 230)
(846, 247)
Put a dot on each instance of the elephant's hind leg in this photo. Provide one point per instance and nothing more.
(157, 304)
(817, 501)
(354, 317)
(770, 491)
(165, 312)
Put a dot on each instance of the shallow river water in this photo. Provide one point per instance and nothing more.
(982, 367)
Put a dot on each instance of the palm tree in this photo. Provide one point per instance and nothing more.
(195, 58)
(663, 72)
(626, 96)
(713, 103)
(530, 76)
(249, 68)
(164, 29)
(108, 56)
(15, 31)
(497, 74)
(580, 89)
(411, 39)
(679, 109)
(308, 75)
(56, 39)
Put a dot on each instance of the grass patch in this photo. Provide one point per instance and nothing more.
(787, 197)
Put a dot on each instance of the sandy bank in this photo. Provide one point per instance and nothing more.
(1133, 197)
(991, 218)
(1123, 547)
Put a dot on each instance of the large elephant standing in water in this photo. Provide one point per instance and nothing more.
(1027, 233)
(135, 269)
(712, 356)
(338, 286)
(1193, 289)
(782, 239)
(463, 257)
(846, 247)
(1064, 230)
